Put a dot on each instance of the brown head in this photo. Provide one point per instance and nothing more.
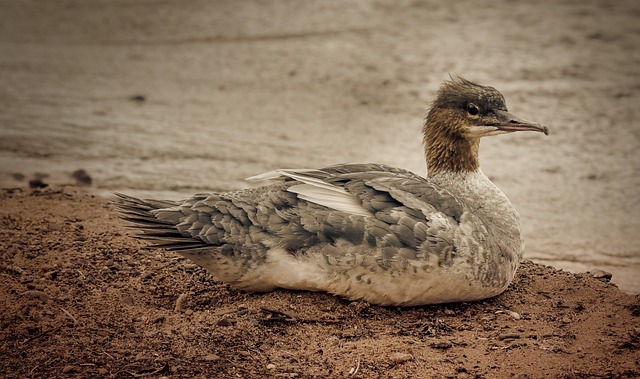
(461, 114)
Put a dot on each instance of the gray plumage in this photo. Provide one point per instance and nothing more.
(362, 231)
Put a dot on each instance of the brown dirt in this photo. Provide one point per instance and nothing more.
(84, 300)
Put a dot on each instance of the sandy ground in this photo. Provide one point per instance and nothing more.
(165, 98)
(81, 299)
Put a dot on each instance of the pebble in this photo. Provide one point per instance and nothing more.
(81, 177)
(54, 227)
(37, 183)
(601, 274)
(127, 300)
(398, 358)
(514, 315)
(158, 319)
(441, 345)
(16, 269)
(509, 336)
(226, 322)
(211, 358)
(270, 368)
(34, 294)
(180, 303)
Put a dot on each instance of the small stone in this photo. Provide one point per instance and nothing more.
(127, 300)
(398, 358)
(180, 302)
(68, 369)
(54, 227)
(514, 315)
(16, 269)
(566, 320)
(601, 275)
(441, 345)
(82, 178)
(226, 322)
(37, 183)
(34, 294)
(211, 358)
(270, 368)
(158, 320)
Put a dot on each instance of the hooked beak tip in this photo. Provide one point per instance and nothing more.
(509, 122)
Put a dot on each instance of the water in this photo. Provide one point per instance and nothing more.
(232, 90)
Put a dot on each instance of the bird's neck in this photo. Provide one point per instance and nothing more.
(447, 150)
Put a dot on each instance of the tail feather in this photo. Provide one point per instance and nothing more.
(140, 213)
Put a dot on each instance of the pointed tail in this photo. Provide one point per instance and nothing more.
(141, 213)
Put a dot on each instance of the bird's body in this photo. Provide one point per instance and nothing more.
(362, 231)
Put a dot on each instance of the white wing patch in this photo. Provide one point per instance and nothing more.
(266, 177)
(317, 191)
(336, 198)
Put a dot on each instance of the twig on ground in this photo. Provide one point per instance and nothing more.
(42, 334)
(277, 316)
(164, 368)
(69, 315)
(354, 370)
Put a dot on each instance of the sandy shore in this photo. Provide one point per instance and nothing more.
(82, 299)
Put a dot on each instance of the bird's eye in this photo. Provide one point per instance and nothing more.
(472, 109)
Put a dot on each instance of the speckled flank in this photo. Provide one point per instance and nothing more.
(362, 231)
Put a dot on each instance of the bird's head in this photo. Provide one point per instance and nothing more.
(461, 114)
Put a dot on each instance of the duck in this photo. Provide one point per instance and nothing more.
(362, 231)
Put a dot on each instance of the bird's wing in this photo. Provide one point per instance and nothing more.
(375, 205)
(364, 204)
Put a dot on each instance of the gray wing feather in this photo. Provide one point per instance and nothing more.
(397, 214)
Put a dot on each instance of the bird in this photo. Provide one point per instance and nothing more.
(362, 231)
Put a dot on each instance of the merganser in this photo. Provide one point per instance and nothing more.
(363, 231)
